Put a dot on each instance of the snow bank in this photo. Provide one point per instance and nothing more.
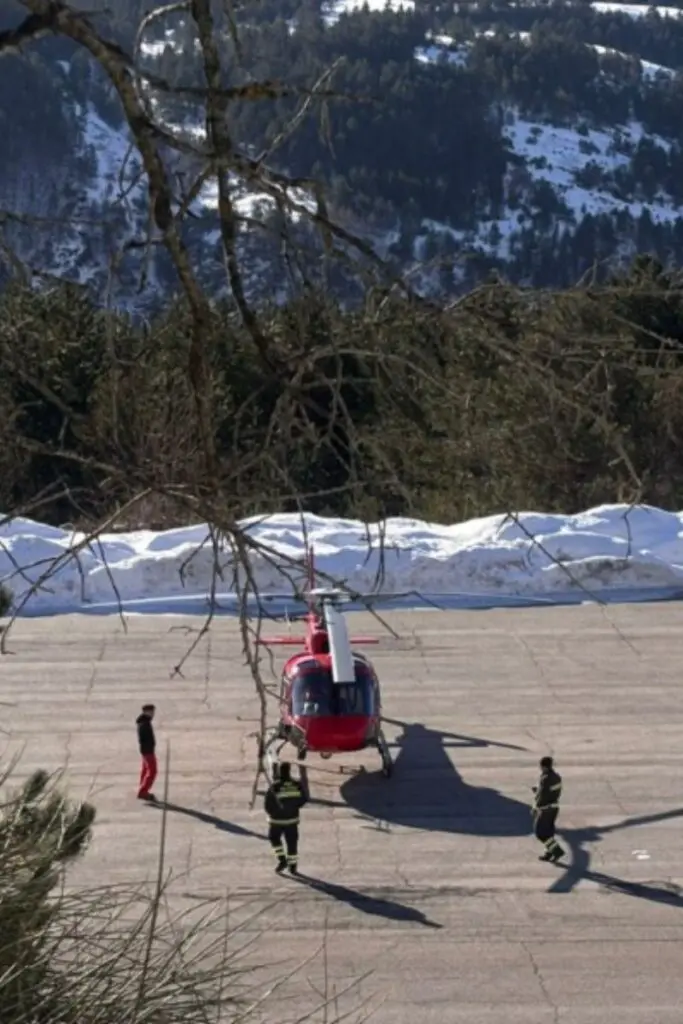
(613, 546)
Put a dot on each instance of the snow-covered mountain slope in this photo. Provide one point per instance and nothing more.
(561, 156)
(558, 173)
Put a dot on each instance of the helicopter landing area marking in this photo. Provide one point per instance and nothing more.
(429, 880)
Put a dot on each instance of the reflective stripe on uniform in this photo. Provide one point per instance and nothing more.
(283, 821)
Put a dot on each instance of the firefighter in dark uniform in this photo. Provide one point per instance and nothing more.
(283, 802)
(546, 808)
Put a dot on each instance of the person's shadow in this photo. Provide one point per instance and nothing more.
(577, 865)
(377, 905)
(209, 819)
(426, 790)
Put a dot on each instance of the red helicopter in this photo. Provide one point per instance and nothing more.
(330, 701)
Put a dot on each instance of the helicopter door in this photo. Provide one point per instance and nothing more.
(376, 693)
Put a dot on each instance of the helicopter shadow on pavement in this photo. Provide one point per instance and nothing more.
(379, 906)
(579, 867)
(427, 792)
(210, 819)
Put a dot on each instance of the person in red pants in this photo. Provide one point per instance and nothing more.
(147, 744)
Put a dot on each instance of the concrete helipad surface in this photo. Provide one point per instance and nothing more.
(429, 882)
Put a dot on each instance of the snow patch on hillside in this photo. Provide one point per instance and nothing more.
(636, 10)
(648, 69)
(556, 155)
(442, 49)
(633, 10)
(117, 179)
(334, 9)
(258, 206)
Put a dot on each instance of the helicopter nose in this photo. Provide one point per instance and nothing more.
(339, 734)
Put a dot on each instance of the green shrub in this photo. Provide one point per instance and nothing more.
(118, 954)
(40, 831)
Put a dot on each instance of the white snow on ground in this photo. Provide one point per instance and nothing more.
(612, 546)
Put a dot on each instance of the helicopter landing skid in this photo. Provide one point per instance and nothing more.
(269, 753)
(385, 754)
(270, 750)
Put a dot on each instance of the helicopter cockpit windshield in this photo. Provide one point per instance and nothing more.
(315, 694)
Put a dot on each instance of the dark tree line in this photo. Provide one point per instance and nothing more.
(513, 399)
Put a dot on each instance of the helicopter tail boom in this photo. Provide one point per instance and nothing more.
(334, 623)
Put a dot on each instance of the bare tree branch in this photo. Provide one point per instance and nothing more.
(32, 28)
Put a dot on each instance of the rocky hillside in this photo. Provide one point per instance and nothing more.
(538, 140)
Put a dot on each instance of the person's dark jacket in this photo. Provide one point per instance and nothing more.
(548, 791)
(146, 738)
(283, 802)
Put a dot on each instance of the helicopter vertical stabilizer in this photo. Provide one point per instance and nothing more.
(343, 669)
